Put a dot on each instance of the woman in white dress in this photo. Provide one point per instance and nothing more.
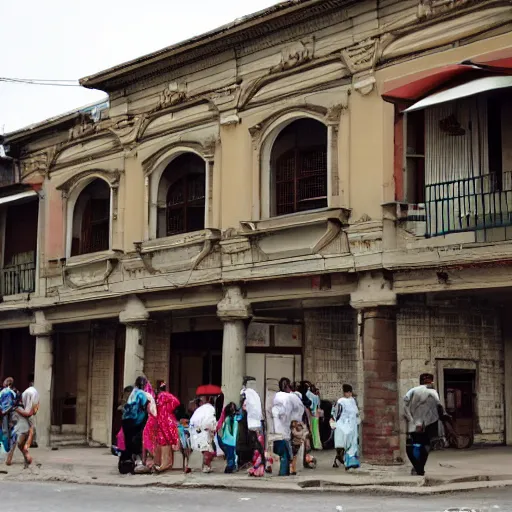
(202, 428)
(346, 435)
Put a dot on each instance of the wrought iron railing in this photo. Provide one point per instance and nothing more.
(468, 204)
(19, 278)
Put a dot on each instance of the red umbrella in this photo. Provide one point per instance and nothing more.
(208, 390)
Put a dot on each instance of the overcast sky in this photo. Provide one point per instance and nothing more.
(70, 39)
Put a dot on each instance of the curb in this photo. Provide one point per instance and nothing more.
(323, 487)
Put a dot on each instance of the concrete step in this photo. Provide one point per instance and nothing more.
(63, 440)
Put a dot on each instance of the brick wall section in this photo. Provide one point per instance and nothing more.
(380, 429)
(463, 331)
(331, 355)
(102, 383)
(157, 350)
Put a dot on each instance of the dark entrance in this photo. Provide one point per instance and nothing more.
(459, 396)
(196, 358)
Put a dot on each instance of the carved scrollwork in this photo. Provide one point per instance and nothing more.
(126, 128)
(84, 127)
(176, 92)
(295, 55)
(361, 56)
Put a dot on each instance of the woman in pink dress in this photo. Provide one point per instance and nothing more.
(167, 436)
(149, 446)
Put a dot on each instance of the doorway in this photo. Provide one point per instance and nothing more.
(459, 399)
(196, 358)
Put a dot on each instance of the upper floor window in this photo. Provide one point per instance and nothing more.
(181, 196)
(299, 168)
(91, 219)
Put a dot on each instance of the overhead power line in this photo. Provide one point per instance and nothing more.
(36, 81)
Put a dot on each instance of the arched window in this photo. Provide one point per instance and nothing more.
(299, 168)
(91, 219)
(181, 196)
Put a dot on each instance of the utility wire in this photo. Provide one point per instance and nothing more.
(29, 81)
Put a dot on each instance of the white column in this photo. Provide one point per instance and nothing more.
(133, 353)
(134, 316)
(233, 359)
(43, 376)
(233, 311)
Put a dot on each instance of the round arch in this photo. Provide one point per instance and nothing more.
(153, 181)
(73, 216)
(269, 137)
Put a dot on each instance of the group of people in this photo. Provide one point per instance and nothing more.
(150, 431)
(17, 413)
(155, 425)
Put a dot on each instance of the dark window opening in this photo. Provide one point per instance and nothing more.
(299, 168)
(91, 219)
(415, 158)
(183, 183)
(20, 246)
(494, 133)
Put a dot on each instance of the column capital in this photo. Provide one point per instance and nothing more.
(134, 312)
(40, 327)
(374, 290)
(233, 306)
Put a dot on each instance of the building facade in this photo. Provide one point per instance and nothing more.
(287, 195)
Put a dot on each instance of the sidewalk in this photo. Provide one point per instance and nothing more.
(447, 471)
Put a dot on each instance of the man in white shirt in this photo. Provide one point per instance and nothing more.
(282, 412)
(423, 409)
(30, 403)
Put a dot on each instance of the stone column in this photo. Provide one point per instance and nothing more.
(381, 425)
(43, 375)
(234, 313)
(380, 429)
(135, 317)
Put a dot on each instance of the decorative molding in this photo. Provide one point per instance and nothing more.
(127, 128)
(361, 56)
(259, 129)
(176, 92)
(111, 264)
(233, 305)
(83, 128)
(430, 8)
(251, 88)
(455, 25)
(38, 162)
(229, 120)
(296, 54)
(111, 177)
(89, 155)
(204, 150)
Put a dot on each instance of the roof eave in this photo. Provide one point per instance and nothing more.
(100, 80)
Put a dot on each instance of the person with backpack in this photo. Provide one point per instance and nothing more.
(135, 415)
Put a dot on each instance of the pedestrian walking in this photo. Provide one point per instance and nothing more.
(346, 430)
(135, 415)
(203, 424)
(423, 409)
(282, 411)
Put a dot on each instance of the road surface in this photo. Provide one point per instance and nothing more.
(33, 497)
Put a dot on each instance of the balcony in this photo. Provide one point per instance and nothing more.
(17, 279)
(468, 204)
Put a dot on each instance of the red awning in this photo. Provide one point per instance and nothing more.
(417, 85)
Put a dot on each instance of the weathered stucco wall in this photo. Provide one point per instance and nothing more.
(460, 335)
(331, 350)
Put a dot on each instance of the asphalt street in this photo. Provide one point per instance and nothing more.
(33, 497)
